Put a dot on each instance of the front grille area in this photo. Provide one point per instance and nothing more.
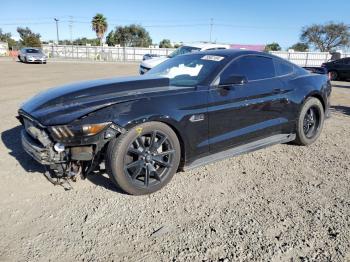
(34, 149)
(35, 130)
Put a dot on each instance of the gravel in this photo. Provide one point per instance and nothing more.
(281, 203)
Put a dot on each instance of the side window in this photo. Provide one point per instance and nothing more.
(347, 61)
(340, 62)
(252, 67)
(282, 67)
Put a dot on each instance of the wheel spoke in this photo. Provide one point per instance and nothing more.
(140, 142)
(160, 142)
(156, 175)
(134, 151)
(134, 164)
(159, 160)
(137, 172)
(147, 176)
(311, 115)
(165, 153)
(152, 143)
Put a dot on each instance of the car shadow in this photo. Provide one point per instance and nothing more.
(341, 86)
(102, 180)
(12, 140)
(342, 109)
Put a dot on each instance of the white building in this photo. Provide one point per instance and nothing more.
(3, 48)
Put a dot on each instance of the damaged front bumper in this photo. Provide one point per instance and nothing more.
(64, 159)
(40, 153)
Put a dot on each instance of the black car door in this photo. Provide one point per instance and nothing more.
(346, 68)
(245, 112)
(342, 66)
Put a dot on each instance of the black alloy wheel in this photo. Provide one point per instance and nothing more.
(149, 159)
(310, 122)
(144, 159)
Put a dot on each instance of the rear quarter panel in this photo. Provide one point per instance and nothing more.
(307, 85)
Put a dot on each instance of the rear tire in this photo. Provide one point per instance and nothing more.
(310, 122)
(144, 159)
(334, 75)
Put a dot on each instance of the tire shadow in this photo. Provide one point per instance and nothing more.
(341, 109)
(12, 140)
(102, 180)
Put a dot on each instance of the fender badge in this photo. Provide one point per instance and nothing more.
(139, 130)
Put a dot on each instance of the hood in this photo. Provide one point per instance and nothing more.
(62, 105)
(150, 63)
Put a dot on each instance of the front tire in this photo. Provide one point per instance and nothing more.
(144, 159)
(310, 122)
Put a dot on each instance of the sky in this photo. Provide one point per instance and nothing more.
(238, 22)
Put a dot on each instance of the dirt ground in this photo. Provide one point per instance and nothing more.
(283, 203)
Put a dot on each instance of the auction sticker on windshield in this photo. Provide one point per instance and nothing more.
(213, 58)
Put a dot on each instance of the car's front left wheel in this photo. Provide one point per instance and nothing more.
(144, 159)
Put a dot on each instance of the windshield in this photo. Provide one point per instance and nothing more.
(33, 51)
(188, 70)
(183, 50)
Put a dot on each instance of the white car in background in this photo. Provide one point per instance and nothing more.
(146, 65)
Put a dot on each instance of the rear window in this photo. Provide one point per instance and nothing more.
(283, 68)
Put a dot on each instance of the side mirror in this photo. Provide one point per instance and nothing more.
(233, 80)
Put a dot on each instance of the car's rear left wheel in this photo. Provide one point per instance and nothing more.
(333, 75)
(310, 121)
(144, 159)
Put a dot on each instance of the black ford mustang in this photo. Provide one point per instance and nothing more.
(188, 111)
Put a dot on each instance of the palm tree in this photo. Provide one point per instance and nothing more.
(99, 25)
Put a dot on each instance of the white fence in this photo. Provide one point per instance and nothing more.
(306, 58)
(100, 53)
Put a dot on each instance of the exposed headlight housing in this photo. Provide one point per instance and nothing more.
(72, 131)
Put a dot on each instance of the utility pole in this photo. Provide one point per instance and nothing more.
(56, 20)
(71, 28)
(71, 31)
(211, 28)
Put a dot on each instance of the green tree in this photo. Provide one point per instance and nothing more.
(6, 37)
(300, 47)
(99, 25)
(165, 43)
(131, 35)
(28, 38)
(326, 37)
(272, 47)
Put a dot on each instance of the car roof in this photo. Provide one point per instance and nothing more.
(232, 52)
(207, 45)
